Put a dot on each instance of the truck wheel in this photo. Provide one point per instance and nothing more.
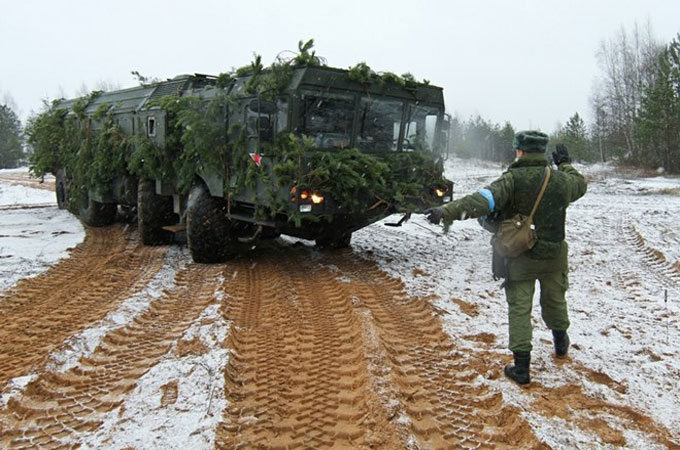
(61, 188)
(153, 213)
(96, 214)
(339, 240)
(209, 229)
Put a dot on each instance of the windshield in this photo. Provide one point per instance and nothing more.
(379, 124)
(421, 127)
(328, 120)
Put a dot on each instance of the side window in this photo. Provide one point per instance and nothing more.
(379, 125)
(260, 126)
(260, 117)
(328, 119)
(151, 126)
(421, 127)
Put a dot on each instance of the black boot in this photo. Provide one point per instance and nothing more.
(561, 340)
(520, 371)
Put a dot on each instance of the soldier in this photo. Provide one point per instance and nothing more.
(515, 192)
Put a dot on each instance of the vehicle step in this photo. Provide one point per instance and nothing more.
(175, 228)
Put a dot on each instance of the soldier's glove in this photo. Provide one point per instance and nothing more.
(561, 155)
(434, 215)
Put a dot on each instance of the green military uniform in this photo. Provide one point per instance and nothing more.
(515, 192)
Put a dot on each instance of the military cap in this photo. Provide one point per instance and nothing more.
(531, 141)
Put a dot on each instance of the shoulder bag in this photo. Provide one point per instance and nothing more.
(518, 234)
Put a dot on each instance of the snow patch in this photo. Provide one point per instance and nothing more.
(151, 418)
(12, 194)
(35, 234)
(31, 240)
(84, 343)
(15, 387)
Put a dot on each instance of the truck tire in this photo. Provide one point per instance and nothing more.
(153, 213)
(209, 229)
(334, 241)
(127, 208)
(96, 214)
(61, 186)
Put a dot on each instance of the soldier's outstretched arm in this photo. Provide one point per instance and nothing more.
(483, 202)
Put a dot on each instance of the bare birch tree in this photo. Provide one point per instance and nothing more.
(627, 61)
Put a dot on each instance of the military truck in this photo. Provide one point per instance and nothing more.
(317, 156)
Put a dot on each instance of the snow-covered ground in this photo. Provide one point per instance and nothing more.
(34, 233)
(624, 259)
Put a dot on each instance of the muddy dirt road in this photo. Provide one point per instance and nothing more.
(122, 346)
(325, 351)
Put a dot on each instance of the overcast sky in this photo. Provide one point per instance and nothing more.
(530, 62)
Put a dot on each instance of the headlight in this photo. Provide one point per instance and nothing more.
(440, 192)
(317, 198)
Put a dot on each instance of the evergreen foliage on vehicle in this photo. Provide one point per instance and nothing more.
(390, 180)
(197, 140)
(362, 73)
(93, 150)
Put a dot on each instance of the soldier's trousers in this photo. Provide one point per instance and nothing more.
(520, 295)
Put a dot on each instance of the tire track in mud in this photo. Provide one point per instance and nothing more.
(296, 376)
(39, 314)
(647, 273)
(655, 260)
(333, 353)
(652, 262)
(435, 383)
(61, 409)
(627, 273)
(327, 351)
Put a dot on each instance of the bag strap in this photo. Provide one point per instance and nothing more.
(546, 178)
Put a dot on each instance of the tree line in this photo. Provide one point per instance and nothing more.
(635, 105)
(636, 101)
(480, 138)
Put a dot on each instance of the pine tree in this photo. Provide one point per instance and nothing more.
(11, 151)
(506, 137)
(575, 137)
